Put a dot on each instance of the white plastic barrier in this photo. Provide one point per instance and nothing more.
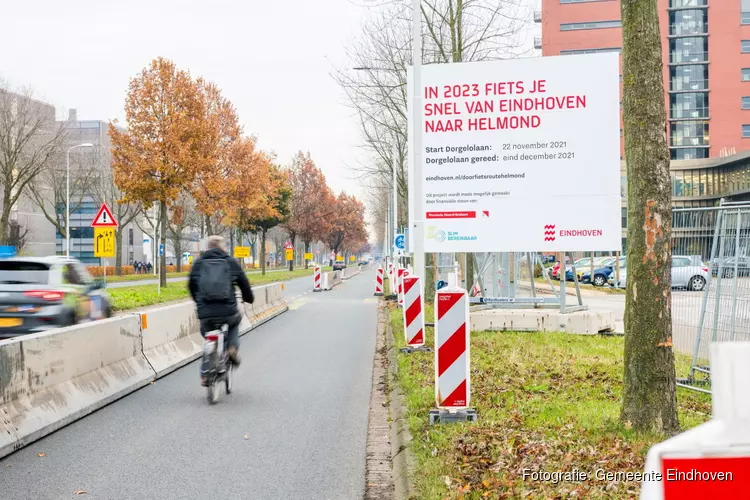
(48, 380)
(348, 272)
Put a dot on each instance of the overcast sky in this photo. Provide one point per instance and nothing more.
(273, 59)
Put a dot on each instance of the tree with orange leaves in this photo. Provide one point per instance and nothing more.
(348, 227)
(227, 154)
(309, 209)
(161, 152)
(272, 211)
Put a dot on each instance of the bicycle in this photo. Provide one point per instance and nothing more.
(216, 366)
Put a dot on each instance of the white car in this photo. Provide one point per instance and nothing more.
(687, 272)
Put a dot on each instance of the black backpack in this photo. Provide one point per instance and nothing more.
(215, 281)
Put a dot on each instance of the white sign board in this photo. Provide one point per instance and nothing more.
(521, 155)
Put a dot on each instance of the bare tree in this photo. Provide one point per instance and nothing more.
(49, 189)
(29, 141)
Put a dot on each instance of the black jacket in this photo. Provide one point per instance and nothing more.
(210, 310)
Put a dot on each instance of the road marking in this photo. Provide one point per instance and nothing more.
(296, 304)
(371, 299)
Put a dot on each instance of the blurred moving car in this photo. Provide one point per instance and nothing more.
(687, 273)
(339, 265)
(41, 293)
(728, 267)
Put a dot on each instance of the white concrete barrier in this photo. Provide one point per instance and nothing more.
(331, 279)
(48, 380)
(348, 272)
(171, 334)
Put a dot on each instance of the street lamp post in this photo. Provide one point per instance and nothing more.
(67, 195)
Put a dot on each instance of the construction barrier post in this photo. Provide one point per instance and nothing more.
(317, 280)
(399, 274)
(414, 315)
(452, 356)
(379, 282)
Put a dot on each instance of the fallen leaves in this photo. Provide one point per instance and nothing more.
(42, 454)
(82, 492)
(247, 436)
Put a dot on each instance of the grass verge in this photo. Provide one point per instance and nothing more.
(545, 402)
(131, 297)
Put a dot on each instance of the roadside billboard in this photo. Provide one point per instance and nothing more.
(521, 155)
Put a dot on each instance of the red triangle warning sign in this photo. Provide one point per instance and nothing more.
(104, 218)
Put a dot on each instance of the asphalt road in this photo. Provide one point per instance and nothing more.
(146, 281)
(294, 427)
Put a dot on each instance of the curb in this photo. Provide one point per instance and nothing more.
(403, 458)
(378, 456)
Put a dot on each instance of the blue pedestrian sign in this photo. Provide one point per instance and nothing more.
(7, 252)
(400, 242)
(161, 249)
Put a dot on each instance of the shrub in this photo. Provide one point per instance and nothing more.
(98, 271)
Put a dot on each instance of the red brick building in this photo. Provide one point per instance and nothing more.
(706, 54)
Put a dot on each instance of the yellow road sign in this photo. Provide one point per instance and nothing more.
(339, 258)
(241, 252)
(308, 256)
(352, 258)
(104, 242)
(289, 254)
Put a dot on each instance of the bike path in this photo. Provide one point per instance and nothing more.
(294, 427)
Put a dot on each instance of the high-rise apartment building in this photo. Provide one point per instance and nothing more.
(706, 54)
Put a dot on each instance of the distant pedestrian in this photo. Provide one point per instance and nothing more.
(149, 267)
(135, 267)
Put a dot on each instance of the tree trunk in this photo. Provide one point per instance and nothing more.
(307, 250)
(178, 253)
(292, 238)
(163, 242)
(649, 399)
(262, 252)
(118, 251)
(209, 229)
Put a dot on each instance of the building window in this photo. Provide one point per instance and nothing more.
(688, 22)
(688, 153)
(687, 50)
(624, 217)
(746, 74)
(589, 51)
(591, 25)
(681, 4)
(687, 134)
(689, 77)
(688, 106)
(745, 11)
(745, 18)
(746, 46)
(746, 131)
(130, 236)
(746, 103)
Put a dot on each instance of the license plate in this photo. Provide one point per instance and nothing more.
(8, 322)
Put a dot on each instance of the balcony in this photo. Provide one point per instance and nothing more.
(538, 42)
(537, 16)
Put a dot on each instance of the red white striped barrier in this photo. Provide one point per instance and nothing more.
(400, 285)
(452, 380)
(413, 311)
(379, 282)
(317, 280)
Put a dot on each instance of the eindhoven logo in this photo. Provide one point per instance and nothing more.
(550, 233)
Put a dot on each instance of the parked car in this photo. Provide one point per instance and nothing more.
(727, 267)
(687, 273)
(41, 293)
(602, 274)
(339, 266)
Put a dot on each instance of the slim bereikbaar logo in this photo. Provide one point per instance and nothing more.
(551, 233)
(439, 235)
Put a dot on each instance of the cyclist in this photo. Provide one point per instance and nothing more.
(212, 280)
